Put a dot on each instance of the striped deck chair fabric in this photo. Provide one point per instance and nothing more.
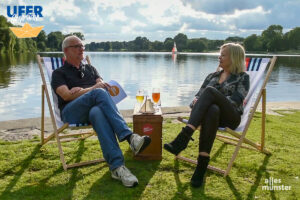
(256, 68)
(52, 63)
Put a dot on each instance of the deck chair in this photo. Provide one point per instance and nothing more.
(50, 64)
(256, 69)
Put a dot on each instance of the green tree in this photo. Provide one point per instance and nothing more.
(41, 46)
(157, 46)
(55, 40)
(7, 38)
(214, 44)
(78, 34)
(293, 38)
(107, 46)
(93, 46)
(273, 38)
(253, 43)
(41, 41)
(181, 41)
(168, 44)
(141, 44)
(117, 46)
(196, 45)
(234, 39)
(30, 44)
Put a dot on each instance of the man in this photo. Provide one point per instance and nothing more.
(83, 97)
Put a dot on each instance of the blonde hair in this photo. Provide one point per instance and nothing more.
(237, 57)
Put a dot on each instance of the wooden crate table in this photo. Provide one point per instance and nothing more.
(151, 125)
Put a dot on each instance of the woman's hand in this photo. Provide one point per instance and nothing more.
(194, 101)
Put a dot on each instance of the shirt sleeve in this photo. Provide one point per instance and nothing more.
(95, 72)
(58, 79)
(242, 90)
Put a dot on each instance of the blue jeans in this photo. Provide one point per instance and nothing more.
(98, 108)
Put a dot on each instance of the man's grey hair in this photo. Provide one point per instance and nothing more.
(67, 40)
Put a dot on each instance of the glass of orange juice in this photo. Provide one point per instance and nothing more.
(140, 96)
(155, 96)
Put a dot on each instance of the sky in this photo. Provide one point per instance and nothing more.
(124, 20)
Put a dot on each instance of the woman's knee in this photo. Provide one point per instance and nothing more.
(210, 89)
(213, 111)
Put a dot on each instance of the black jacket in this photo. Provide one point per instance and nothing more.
(235, 88)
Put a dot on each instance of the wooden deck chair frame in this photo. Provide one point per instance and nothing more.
(239, 139)
(57, 130)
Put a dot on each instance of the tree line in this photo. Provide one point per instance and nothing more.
(272, 39)
(9, 43)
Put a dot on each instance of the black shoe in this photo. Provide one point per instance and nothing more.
(179, 143)
(198, 176)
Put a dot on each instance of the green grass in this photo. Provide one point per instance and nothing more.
(28, 171)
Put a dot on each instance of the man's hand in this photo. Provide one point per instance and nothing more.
(69, 95)
(102, 84)
(75, 90)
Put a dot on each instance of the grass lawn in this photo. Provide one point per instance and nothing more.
(29, 171)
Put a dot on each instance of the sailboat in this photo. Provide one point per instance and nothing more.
(174, 50)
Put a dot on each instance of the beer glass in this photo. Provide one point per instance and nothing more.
(140, 96)
(155, 96)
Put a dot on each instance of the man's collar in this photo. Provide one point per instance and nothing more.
(67, 64)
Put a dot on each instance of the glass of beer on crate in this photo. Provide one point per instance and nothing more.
(140, 96)
(156, 96)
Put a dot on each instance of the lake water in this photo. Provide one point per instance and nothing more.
(178, 79)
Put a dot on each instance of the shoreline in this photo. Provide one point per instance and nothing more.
(22, 129)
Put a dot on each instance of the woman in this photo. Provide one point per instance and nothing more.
(219, 103)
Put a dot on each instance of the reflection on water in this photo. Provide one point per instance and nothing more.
(178, 77)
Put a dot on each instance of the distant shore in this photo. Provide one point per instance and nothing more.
(21, 129)
(282, 53)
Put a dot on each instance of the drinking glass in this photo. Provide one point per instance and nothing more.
(140, 96)
(155, 96)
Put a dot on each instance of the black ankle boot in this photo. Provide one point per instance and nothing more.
(180, 142)
(198, 176)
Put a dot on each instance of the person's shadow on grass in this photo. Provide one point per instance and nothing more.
(17, 175)
(197, 193)
(42, 189)
(108, 188)
(254, 187)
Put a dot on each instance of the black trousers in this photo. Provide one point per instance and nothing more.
(212, 110)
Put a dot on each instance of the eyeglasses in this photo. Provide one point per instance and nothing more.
(77, 46)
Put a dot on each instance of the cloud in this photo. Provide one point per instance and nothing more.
(71, 29)
(118, 20)
(118, 15)
(221, 7)
(58, 8)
